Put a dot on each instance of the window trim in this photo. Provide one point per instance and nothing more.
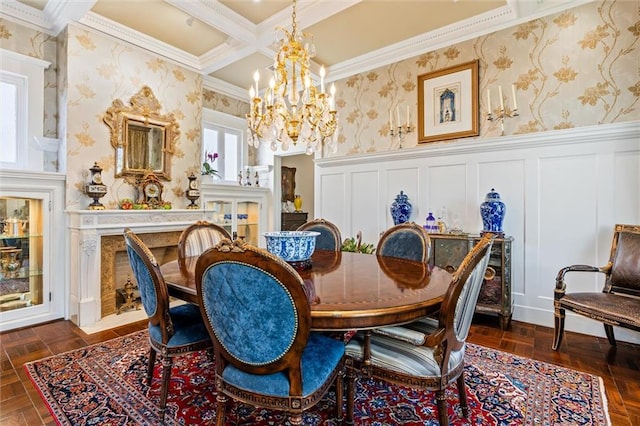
(218, 120)
(31, 107)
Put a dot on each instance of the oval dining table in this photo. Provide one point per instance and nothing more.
(348, 291)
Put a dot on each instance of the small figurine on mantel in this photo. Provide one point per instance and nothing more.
(240, 178)
(247, 181)
(257, 180)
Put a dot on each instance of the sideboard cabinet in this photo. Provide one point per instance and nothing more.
(291, 221)
(448, 250)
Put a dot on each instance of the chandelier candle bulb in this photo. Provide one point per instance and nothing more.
(322, 73)
(513, 92)
(256, 78)
(501, 99)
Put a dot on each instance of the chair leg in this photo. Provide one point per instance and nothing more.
(608, 329)
(295, 419)
(559, 328)
(221, 399)
(340, 393)
(441, 399)
(164, 392)
(150, 364)
(462, 392)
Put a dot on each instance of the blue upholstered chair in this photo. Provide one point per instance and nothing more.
(258, 316)
(329, 238)
(432, 355)
(407, 241)
(198, 237)
(172, 331)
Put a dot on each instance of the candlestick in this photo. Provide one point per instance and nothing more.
(503, 113)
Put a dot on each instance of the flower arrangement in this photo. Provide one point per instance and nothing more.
(207, 166)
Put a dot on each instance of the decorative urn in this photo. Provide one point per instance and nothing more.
(492, 212)
(96, 189)
(192, 193)
(401, 209)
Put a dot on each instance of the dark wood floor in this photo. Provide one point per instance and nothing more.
(20, 403)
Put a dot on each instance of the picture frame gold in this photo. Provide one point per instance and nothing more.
(448, 103)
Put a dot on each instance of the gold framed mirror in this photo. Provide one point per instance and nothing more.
(143, 137)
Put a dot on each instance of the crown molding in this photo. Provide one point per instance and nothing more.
(245, 38)
(432, 40)
(224, 88)
(99, 23)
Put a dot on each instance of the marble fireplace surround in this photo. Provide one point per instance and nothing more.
(90, 275)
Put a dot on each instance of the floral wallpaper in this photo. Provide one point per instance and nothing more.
(100, 70)
(576, 68)
(572, 69)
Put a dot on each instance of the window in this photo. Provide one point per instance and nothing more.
(13, 113)
(224, 134)
(21, 110)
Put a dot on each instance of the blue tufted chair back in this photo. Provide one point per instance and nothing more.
(254, 305)
(329, 238)
(153, 290)
(407, 241)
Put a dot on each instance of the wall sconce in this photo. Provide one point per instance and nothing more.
(399, 130)
(503, 113)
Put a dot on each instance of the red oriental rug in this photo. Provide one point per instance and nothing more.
(104, 384)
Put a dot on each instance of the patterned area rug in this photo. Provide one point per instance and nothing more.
(105, 384)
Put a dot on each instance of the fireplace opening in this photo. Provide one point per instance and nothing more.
(115, 268)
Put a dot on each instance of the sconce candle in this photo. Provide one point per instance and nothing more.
(489, 99)
(407, 115)
(501, 99)
(513, 92)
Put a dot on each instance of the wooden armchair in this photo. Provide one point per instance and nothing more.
(619, 302)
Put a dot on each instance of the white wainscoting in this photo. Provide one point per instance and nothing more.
(564, 191)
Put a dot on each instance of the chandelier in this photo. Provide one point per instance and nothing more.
(293, 110)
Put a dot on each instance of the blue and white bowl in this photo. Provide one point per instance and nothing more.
(291, 246)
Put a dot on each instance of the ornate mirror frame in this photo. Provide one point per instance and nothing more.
(144, 139)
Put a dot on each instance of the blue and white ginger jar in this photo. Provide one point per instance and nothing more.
(492, 212)
(401, 209)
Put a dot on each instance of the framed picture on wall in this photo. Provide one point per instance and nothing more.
(448, 103)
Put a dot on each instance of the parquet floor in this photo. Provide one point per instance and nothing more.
(20, 403)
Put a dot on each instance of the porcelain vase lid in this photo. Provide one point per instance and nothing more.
(492, 196)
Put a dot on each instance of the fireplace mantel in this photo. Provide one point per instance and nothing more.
(87, 227)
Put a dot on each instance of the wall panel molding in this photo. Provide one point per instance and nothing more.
(564, 192)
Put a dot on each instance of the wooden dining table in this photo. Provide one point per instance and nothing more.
(348, 291)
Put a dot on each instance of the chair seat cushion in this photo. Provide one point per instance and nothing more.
(187, 325)
(402, 357)
(415, 332)
(320, 358)
(616, 307)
